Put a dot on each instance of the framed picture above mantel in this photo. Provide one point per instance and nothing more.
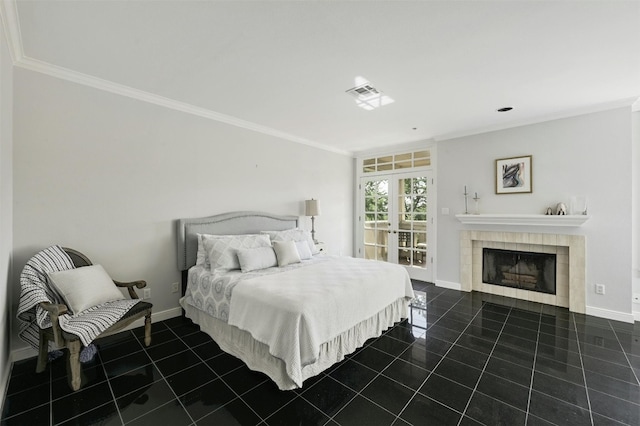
(514, 175)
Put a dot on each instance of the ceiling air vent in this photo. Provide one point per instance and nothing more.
(368, 97)
(364, 90)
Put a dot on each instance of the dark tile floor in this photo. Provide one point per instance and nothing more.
(461, 359)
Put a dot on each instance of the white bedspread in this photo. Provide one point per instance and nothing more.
(294, 312)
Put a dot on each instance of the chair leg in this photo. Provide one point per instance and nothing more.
(43, 352)
(147, 329)
(74, 363)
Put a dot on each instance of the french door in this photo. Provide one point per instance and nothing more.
(396, 223)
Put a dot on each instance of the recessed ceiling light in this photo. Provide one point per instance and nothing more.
(367, 96)
(504, 109)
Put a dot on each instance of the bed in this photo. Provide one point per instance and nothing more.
(290, 321)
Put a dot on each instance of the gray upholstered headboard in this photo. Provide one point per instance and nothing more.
(225, 224)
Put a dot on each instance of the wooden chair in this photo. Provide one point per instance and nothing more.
(72, 342)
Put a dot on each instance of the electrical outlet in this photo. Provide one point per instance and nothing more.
(146, 293)
(599, 288)
(636, 298)
(175, 287)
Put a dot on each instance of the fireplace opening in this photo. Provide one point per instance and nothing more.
(520, 269)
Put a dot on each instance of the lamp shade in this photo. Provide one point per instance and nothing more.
(311, 207)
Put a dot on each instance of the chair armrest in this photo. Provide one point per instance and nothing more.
(130, 286)
(54, 309)
(54, 312)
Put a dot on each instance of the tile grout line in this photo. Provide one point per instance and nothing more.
(218, 377)
(441, 357)
(113, 395)
(584, 376)
(475, 389)
(164, 378)
(624, 351)
(106, 378)
(533, 368)
(417, 391)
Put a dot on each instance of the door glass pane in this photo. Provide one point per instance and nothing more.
(412, 250)
(376, 223)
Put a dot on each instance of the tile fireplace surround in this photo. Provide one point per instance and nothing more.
(570, 272)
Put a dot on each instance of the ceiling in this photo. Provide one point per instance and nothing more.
(282, 67)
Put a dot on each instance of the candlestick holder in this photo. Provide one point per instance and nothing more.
(466, 207)
(477, 201)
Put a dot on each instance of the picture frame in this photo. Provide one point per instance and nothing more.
(514, 175)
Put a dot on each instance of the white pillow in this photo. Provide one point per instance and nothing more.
(84, 287)
(294, 234)
(286, 252)
(303, 250)
(257, 258)
(222, 250)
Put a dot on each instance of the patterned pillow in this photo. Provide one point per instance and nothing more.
(222, 249)
(294, 234)
(201, 256)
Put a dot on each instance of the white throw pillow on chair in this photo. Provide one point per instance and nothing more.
(84, 287)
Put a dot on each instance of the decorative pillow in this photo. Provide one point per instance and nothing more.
(286, 252)
(257, 258)
(295, 234)
(222, 249)
(84, 287)
(201, 256)
(303, 250)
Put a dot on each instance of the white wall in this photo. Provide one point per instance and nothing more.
(586, 155)
(636, 210)
(109, 176)
(6, 206)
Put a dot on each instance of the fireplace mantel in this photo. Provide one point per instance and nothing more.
(523, 219)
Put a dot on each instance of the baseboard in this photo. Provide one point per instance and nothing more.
(449, 284)
(29, 352)
(636, 315)
(612, 315)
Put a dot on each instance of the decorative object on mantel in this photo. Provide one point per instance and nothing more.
(578, 205)
(513, 175)
(561, 209)
(466, 207)
(549, 211)
(477, 200)
(523, 219)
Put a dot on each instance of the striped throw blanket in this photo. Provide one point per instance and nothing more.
(34, 289)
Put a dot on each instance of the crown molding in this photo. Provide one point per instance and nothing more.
(627, 102)
(11, 24)
(422, 144)
(122, 90)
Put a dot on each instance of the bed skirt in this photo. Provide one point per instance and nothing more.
(256, 355)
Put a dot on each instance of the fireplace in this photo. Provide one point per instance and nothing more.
(520, 269)
(570, 262)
